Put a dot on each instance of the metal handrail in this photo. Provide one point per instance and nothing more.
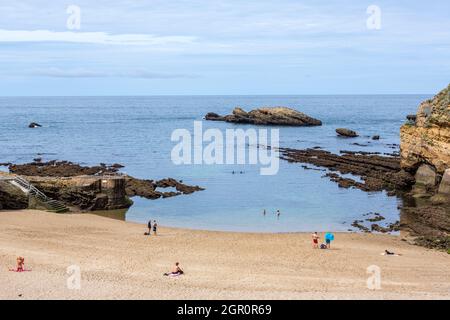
(35, 192)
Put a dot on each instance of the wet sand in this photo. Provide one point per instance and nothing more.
(117, 261)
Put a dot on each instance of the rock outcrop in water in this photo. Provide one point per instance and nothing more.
(346, 133)
(34, 125)
(94, 188)
(281, 116)
(377, 172)
(61, 169)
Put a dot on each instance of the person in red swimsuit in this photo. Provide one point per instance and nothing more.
(315, 239)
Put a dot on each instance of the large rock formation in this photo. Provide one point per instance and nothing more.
(12, 197)
(426, 176)
(427, 139)
(267, 116)
(425, 152)
(444, 187)
(85, 192)
(99, 187)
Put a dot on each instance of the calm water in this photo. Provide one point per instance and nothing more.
(135, 131)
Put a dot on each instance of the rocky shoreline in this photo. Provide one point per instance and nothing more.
(377, 172)
(420, 175)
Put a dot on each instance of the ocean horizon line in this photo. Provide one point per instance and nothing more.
(223, 95)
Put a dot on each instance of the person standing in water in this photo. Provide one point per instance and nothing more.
(278, 214)
(155, 226)
(264, 212)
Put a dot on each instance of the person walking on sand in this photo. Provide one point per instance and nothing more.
(315, 240)
(149, 225)
(155, 227)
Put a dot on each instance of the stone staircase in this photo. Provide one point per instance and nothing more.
(32, 191)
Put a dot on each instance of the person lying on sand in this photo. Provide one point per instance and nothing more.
(176, 270)
(388, 253)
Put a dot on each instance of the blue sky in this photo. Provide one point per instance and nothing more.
(146, 47)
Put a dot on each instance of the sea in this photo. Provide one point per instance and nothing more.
(136, 131)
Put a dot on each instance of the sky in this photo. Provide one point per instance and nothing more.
(223, 47)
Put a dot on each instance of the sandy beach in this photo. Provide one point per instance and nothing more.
(117, 261)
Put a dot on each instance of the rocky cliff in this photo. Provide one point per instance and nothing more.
(425, 152)
(425, 139)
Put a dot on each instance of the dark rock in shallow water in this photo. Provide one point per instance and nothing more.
(377, 228)
(267, 116)
(376, 137)
(360, 144)
(147, 188)
(357, 224)
(213, 117)
(34, 125)
(377, 218)
(346, 133)
(59, 169)
(377, 172)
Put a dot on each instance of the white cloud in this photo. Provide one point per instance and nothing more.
(91, 37)
(89, 73)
